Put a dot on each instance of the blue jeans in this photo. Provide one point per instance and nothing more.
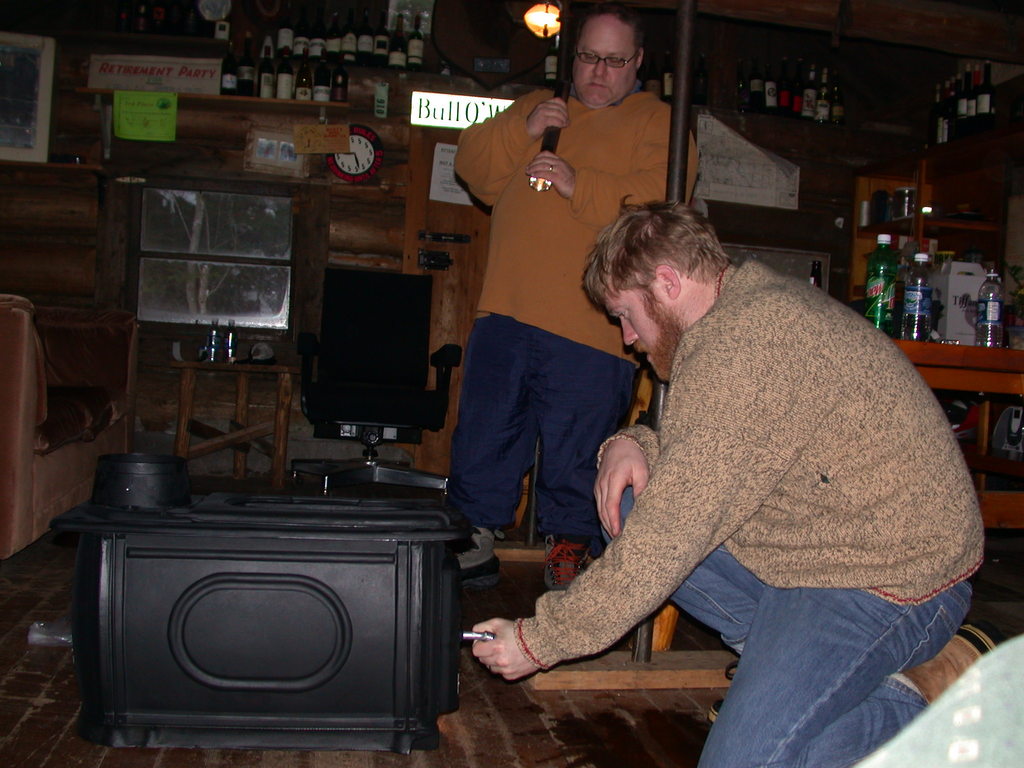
(812, 688)
(521, 383)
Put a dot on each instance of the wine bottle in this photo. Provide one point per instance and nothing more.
(285, 35)
(742, 87)
(771, 91)
(332, 43)
(364, 41)
(398, 48)
(971, 83)
(229, 74)
(551, 63)
(961, 127)
(175, 18)
(415, 47)
(140, 23)
(339, 83)
(815, 276)
(700, 82)
(157, 17)
(785, 89)
(667, 76)
(285, 83)
(318, 36)
(304, 80)
(192, 22)
(986, 100)
(266, 71)
(756, 85)
(381, 41)
(247, 69)
(123, 21)
(807, 110)
(797, 104)
(838, 115)
(823, 104)
(300, 40)
(322, 81)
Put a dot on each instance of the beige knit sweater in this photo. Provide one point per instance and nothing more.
(801, 438)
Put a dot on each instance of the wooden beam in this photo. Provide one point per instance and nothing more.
(618, 671)
(941, 26)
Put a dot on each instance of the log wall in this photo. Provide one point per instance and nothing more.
(65, 232)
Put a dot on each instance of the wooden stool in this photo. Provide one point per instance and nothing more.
(241, 434)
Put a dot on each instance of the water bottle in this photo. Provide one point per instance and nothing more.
(917, 301)
(881, 285)
(989, 329)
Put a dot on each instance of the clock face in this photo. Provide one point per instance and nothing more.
(214, 10)
(364, 159)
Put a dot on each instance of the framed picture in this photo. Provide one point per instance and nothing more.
(273, 151)
(26, 96)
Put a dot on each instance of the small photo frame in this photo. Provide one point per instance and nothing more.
(270, 150)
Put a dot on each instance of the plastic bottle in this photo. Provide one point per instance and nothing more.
(917, 301)
(881, 282)
(989, 329)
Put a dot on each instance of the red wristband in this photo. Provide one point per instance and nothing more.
(524, 647)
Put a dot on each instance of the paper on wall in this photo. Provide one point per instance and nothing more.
(734, 170)
(443, 186)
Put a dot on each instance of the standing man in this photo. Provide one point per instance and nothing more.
(540, 361)
(804, 496)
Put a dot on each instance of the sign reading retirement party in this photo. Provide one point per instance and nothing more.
(448, 110)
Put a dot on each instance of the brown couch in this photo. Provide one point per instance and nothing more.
(67, 396)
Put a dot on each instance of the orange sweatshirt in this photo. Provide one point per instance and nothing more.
(539, 240)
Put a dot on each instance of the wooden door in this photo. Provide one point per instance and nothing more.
(457, 287)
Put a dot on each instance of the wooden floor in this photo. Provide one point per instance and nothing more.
(497, 723)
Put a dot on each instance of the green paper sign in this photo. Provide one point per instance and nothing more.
(145, 115)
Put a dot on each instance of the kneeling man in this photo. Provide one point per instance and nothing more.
(804, 496)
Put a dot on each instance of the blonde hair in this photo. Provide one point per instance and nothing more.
(644, 236)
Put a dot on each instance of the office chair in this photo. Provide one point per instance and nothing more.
(370, 379)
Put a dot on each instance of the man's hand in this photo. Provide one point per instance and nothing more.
(502, 655)
(622, 465)
(553, 113)
(548, 165)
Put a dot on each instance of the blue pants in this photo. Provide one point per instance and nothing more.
(812, 689)
(521, 383)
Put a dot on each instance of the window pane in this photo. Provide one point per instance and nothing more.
(181, 291)
(216, 224)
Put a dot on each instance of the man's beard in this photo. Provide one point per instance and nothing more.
(670, 331)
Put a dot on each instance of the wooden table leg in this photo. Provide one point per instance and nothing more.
(282, 417)
(186, 390)
(241, 417)
(664, 627)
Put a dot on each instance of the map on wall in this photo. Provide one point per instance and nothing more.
(734, 170)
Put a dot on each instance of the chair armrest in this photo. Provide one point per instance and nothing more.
(308, 346)
(450, 355)
(447, 357)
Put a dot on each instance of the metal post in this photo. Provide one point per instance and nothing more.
(675, 189)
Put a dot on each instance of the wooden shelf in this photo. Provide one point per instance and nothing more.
(217, 101)
(963, 225)
(84, 167)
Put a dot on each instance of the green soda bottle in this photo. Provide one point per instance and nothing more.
(880, 290)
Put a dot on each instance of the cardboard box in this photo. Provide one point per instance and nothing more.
(956, 285)
(154, 73)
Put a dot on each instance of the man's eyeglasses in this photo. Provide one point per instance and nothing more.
(615, 62)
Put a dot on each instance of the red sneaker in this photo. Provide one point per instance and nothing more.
(563, 561)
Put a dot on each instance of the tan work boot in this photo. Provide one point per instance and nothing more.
(938, 673)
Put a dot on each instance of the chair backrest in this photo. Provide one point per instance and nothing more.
(375, 328)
